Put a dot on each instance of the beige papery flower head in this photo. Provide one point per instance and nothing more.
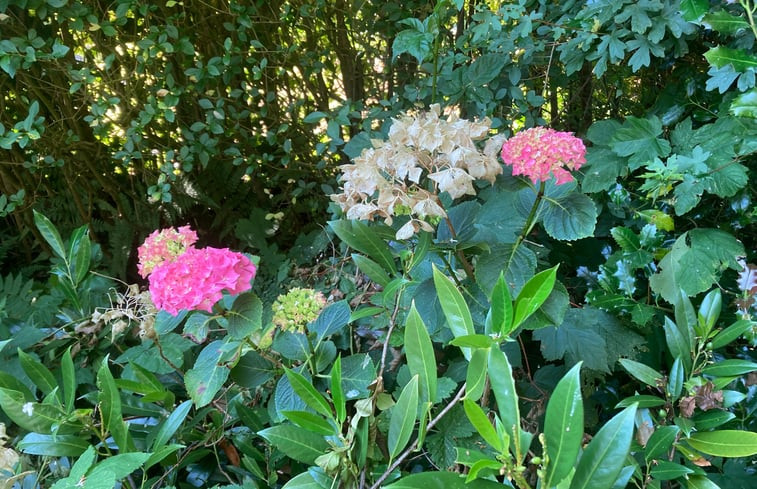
(425, 154)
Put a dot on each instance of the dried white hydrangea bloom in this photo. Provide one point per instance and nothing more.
(423, 156)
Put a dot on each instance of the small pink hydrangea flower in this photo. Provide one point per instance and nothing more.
(540, 152)
(196, 279)
(162, 246)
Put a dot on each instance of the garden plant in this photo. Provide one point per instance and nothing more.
(336, 244)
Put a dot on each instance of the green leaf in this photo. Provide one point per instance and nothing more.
(209, 373)
(725, 443)
(503, 386)
(337, 393)
(402, 421)
(245, 316)
(419, 351)
(563, 427)
(171, 425)
(31, 416)
(638, 139)
(332, 320)
(731, 333)
(441, 480)
(675, 379)
(712, 419)
(660, 442)
(360, 237)
(501, 310)
(677, 344)
(296, 443)
(569, 218)
(120, 465)
(310, 421)
(730, 368)
(373, 270)
(709, 312)
(473, 341)
(605, 456)
(303, 388)
(476, 374)
(38, 373)
(53, 445)
(68, 374)
(518, 264)
(724, 22)
(644, 401)
(745, 105)
(50, 234)
(720, 56)
(79, 254)
(663, 470)
(314, 117)
(415, 43)
(110, 408)
(700, 482)
(692, 10)
(642, 372)
(358, 371)
(481, 422)
(455, 309)
(533, 294)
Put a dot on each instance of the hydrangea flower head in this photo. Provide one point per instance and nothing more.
(540, 152)
(162, 246)
(196, 279)
(298, 307)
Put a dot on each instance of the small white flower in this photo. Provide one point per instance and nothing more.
(28, 409)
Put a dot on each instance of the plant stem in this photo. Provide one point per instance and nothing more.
(529, 225)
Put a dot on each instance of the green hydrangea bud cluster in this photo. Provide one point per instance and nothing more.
(295, 309)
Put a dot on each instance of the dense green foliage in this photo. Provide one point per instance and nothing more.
(594, 334)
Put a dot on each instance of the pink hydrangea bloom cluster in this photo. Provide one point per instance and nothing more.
(164, 245)
(196, 278)
(540, 152)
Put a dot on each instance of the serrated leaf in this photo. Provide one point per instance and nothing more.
(692, 10)
(569, 218)
(245, 316)
(724, 22)
(402, 421)
(604, 457)
(563, 426)
(721, 56)
(332, 320)
(638, 139)
(208, 374)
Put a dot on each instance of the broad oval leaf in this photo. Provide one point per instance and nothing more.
(53, 445)
(725, 443)
(665, 471)
(404, 415)
(604, 457)
(660, 442)
(360, 237)
(563, 426)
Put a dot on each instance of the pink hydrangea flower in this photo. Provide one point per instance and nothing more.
(540, 152)
(196, 279)
(162, 246)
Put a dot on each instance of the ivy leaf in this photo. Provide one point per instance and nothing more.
(695, 261)
(638, 139)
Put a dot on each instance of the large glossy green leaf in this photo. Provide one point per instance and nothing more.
(301, 445)
(442, 480)
(692, 10)
(481, 422)
(30, 416)
(663, 470)
(310, 421)
(700, 482)
(419, 351)
(331, 320)
(171, 425)
(38, 373)
(455, 308)
(675, 380)
(475, 378)
(53, 445)
(110, 408)
(642, 372)
(533, 294)
(360, 237)
(660, 442)
(501, 311)
(50, 233)
(337, 393)
(605, 456)
(731, 333)
(677, 344)
(725, 443)
(404, 415)
(730, 368)
(563, 426)
(720, 56)
(68, 373)
(79, 254)
(303, 388)
(570, 217)
(371, 269)
(120, 465)
(503, 386)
